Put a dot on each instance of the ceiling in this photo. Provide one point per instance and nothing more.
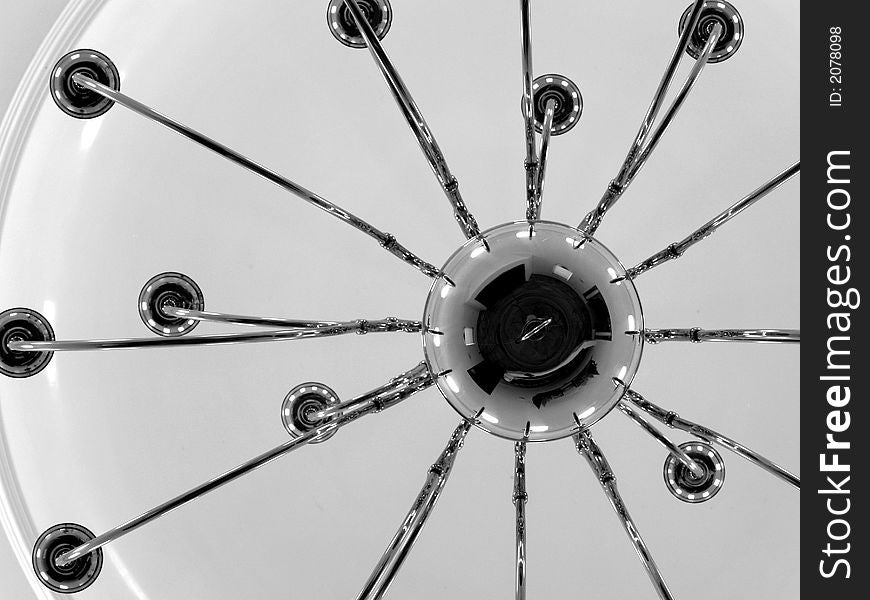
(93, 209)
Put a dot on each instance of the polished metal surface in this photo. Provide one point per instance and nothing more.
(362, 326)
(21, 325)
(68, 578)
(411, 379)
(662, 439)
(302, 407)
(545, 150)
(216, 317)
(715, 13)
(520, 499)
(386, 240)
(617, 186)
(342, 26)
(486, 332)
(164, 292)
(250, 257)
(697, 335)
(677, 249)
(656, 136)
(70, 96)
(589, 450)
(569, 102)
(399, 547)
(417, 123)
(672, 419)
(383, 401)
(531, 164)
(690, 486)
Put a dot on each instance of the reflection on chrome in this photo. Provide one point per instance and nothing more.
(697, 335)
(672, 419)
(386, 397)
(618, 185)
(385, 239)
(589, 450)
(520, 499)
(416, 121)
(675, 450)
(528, 331)
(215, 317)
(397, 551)
(677, 249)
(361, 326)
(656, 136)
(532, 330)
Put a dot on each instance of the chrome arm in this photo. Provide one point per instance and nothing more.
(397, 551)
(385, 239)
(201, 315)
(416, 121)
(417, 376)
(587, 447)
(531, 164)
(617, 185)
(763, 336)
(361, 326)
(520, 499)
(677, 249)
(662, 439)
(215, 317)
(233, 474)
(656, 136)
(672, 419)
(549, 111)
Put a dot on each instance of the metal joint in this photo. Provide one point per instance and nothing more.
(389, 241)
(614, 187)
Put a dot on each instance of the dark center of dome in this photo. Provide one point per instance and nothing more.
(535, 331)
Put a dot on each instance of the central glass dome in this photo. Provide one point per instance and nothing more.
(534, 329)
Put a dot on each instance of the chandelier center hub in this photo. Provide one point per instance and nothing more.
(535, 327)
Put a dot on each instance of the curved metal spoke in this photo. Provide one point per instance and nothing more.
(531, 164)
(549, 112)
(662, 439)
(587, 447)
(696, 335)
(361, 326)
(414, 378)
(397, 551)
(678, 102)
(520, 499)
(416, 121)
(377, 404)
(617, 186)
(672, 419)
(386, 240)
(677, 249)
(216, 317)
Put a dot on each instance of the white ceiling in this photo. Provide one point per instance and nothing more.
(95, 208)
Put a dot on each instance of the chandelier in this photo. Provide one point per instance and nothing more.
(532, 330)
